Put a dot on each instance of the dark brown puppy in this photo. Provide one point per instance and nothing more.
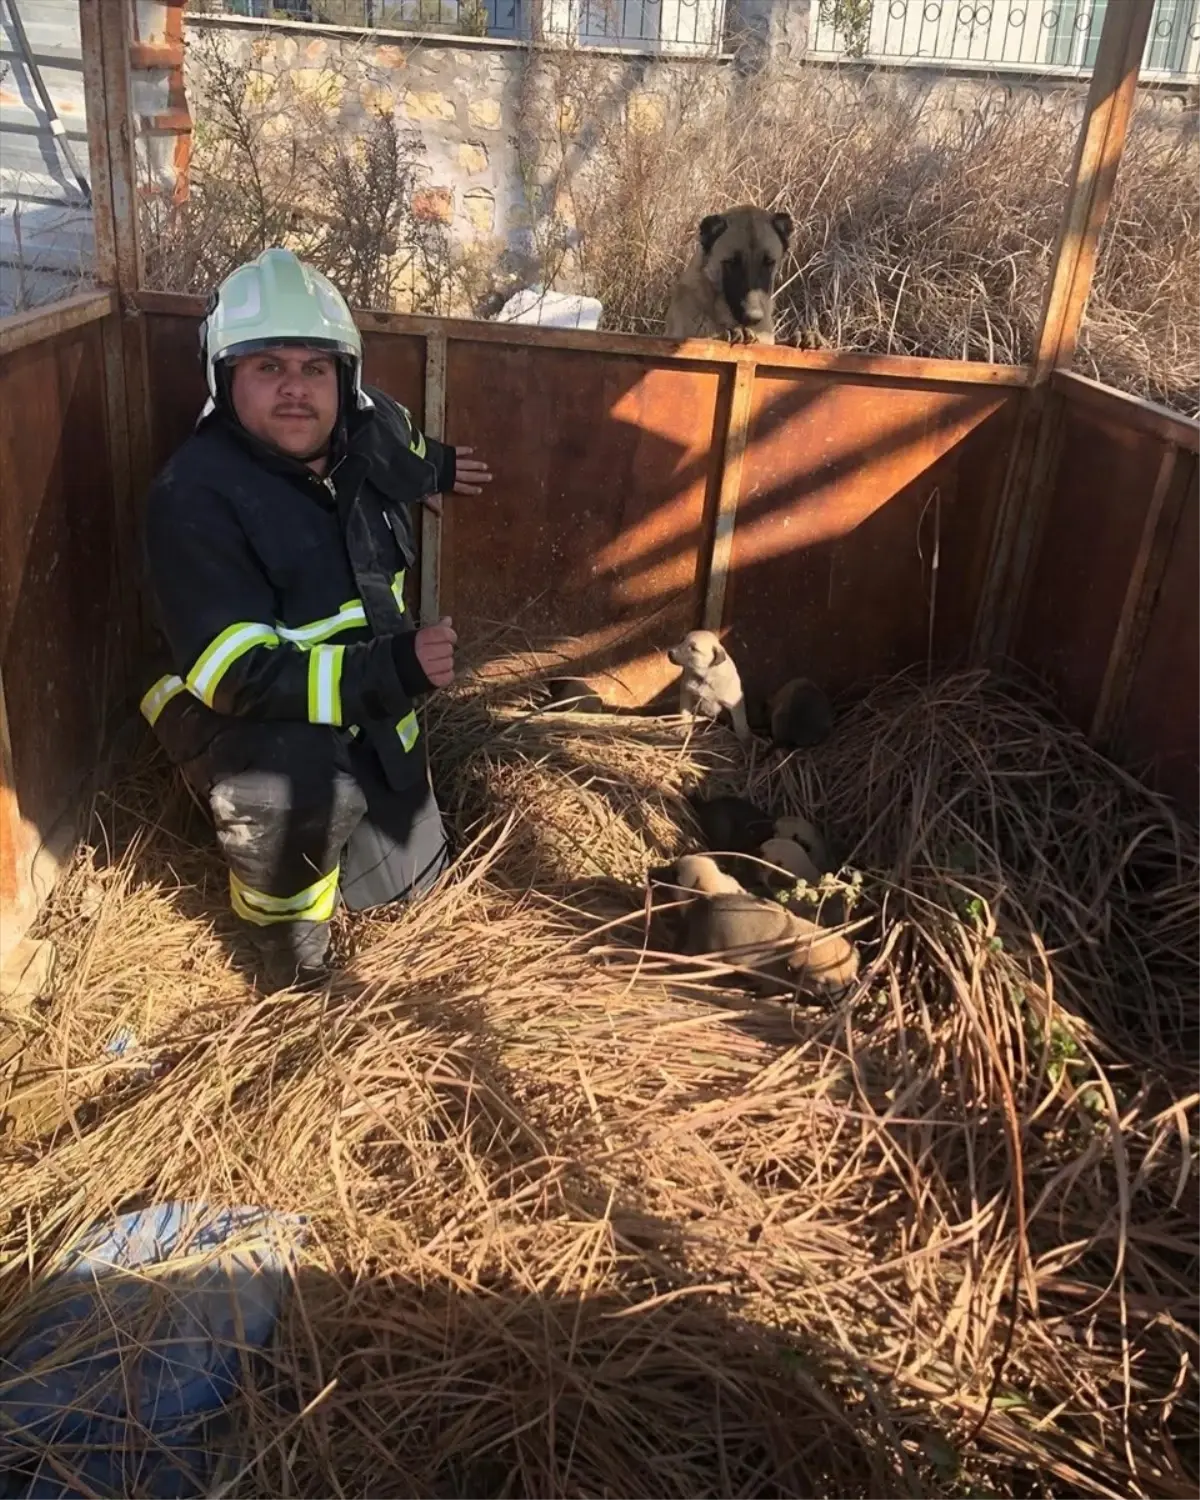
(571, 695)
(732, 824)
(801, 715)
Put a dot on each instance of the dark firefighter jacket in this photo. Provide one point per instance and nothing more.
(281, 595)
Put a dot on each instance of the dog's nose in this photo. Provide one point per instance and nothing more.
(755, 309)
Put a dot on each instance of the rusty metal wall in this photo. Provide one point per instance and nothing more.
(862, 527)
(63, 620)
(860, 533)
(1110, 612)
(1160, 718)
(594, 541)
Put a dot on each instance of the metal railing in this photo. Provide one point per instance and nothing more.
(1036, 36)
(685, 26)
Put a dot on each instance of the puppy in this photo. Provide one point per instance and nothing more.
(697, 872)
(710, 684)
(571, 695)
(732, 823)
(803, 833)
(788, 855)
(821, 963)
(783, 950)
(801, 715)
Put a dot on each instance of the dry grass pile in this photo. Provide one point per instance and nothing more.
(580, 1225)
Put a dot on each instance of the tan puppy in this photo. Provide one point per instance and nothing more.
(710, 683)
(788, 855)
(822, 961)
(782, 949)
(697, 872)
(804, 834)
(728, 289)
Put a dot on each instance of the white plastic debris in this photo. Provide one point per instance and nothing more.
(534, 304)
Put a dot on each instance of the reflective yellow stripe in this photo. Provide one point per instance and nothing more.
(316, 904)
(417, 443)
(216, 659)
(351, 616)
(398, 588)
(408, 731)
(159, 696)
(325, 684)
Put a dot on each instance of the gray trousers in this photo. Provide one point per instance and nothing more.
(303, 815)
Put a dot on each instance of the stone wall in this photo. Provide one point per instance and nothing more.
(490, 114)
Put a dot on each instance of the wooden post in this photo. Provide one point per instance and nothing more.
(731, 483)
(1110, 102)
(106, 30)
(1167, 501)
(434, 424)
(1034, 459)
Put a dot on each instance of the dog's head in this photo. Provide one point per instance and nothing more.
(698, 653)
(700, 872)
(742, 249)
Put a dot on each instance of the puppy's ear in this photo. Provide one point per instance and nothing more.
(712, 227)
(719, 656)
(782, 225)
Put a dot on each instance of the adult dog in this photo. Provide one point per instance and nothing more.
(728, 289)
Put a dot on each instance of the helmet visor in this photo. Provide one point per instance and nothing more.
(282, 341)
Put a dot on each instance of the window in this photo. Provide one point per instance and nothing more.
(1174, 45)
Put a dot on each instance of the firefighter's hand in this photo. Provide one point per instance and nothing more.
(470, 474)
(435, 652)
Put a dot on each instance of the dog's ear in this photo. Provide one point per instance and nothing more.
(719, 656)
(782, 225)
(712, 227)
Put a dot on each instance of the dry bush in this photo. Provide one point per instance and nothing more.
(274, 165)
(921, 228)
(581, 1221)
(1141, 332)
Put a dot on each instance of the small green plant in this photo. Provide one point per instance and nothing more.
(851, 19)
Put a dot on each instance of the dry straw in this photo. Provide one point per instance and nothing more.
(580, 1224)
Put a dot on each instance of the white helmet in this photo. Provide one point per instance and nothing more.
(277, 299)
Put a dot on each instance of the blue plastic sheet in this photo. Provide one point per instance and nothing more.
(134, 1345)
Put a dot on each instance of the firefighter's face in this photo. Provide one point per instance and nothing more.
(289, 397)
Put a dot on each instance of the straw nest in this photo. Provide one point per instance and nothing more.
(581, 1223)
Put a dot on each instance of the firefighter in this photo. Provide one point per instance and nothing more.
(279, 538)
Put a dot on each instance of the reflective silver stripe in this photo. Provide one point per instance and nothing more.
(407, 730)
(159, 696)
(351, 616)
(215, 660)
(325, 684)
